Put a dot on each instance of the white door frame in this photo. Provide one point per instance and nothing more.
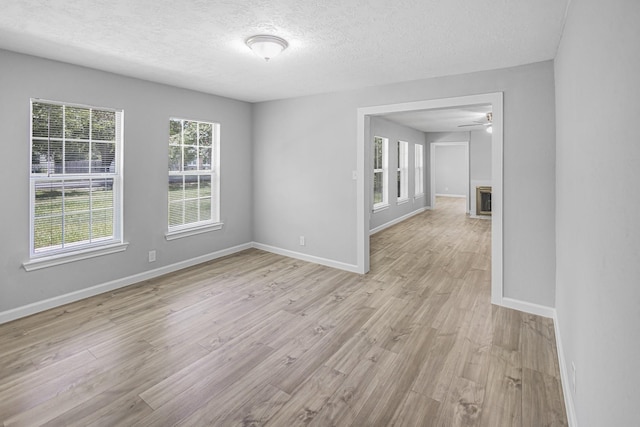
(363, 196)
(432, 170)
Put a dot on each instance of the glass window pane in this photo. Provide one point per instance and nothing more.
(205, 159)
(76, 227)
(399, 183)
(377, 187)
(191, 187)
(102, 224)
(48, 199)
(76, 196)
(206, 134)
(190, 158)
(190, 133)
(205, 209)
(46, 157)
(76, 157)
(175, 158)
(205, 185)
(47, 232)
(46, 120)
(175, 213)
(176, 188)
(103, 125)
(76, 123)
(103, 157)
(102, 194)
(191, 211)
(175, 131)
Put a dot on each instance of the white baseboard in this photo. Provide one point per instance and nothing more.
(564, 376)
(309, 258)
(461, 196)
(528, 307)
(397, 220)
(36, 307)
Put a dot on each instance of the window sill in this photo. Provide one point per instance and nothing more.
(418, 196)
(403, 201)
(59, 259)
(380, 208)
(186, 232)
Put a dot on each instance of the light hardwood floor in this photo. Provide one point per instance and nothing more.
(258, 339)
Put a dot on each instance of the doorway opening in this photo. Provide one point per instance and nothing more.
(449, 171)
(365, 178)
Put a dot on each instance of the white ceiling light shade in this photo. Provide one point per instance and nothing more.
(266, 46)
(490, 129)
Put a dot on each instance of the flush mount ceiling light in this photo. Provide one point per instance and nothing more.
(266, 46)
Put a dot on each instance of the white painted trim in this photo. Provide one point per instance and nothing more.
(64, 258)
(564, 376)
(528, 307)
(362, 209)
(397, 220)
(186, 232)
(460, 196)
(309, 258)
(36, 307)
(380, 208)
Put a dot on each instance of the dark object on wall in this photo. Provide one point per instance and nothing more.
(483, 200)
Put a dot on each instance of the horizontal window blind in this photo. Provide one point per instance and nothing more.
(193, 174)
(75, 177)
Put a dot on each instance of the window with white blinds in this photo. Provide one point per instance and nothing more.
(194, 197)
(403, 171)
(76, 177)
(419, 171)
(380, 171)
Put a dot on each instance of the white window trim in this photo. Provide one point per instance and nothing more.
(192, 229)
(64, 258)
(403, 168)
(80, 251)
(384, 204)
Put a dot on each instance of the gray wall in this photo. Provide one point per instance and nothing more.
(450, 170)
(147, 108)
(395, 132)
(479, 155)
(598, 236)
(305, 152)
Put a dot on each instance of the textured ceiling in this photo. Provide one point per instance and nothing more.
(334, 44)
(443, 120)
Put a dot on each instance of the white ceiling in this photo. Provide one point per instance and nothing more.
(334, 44)
(443, 120)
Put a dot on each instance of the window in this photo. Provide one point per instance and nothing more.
(380, 171)
(76, 178)
(403, 171)
(419, 171)
(194, 196)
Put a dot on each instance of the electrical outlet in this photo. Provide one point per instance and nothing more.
(301, 240)
(354, 175)
(573, 376)
(152, 256)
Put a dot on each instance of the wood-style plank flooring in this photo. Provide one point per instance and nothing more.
(259, 339)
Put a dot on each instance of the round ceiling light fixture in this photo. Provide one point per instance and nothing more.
(266, 46)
